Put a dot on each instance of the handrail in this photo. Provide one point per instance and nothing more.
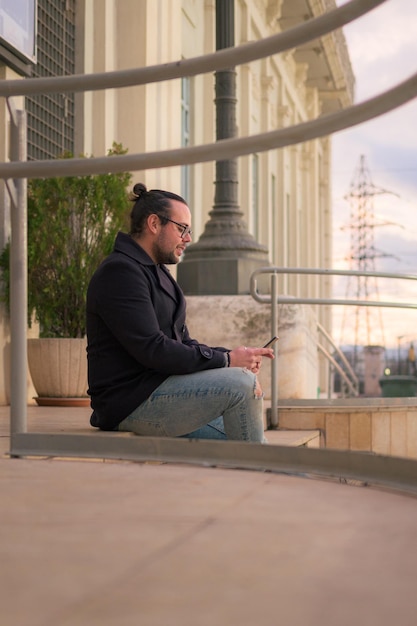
(23, 443)
(273, 299)
(347, 374)
(329, 272)
(340, 354)
(225, 148)
(221, 59)
(354, 390)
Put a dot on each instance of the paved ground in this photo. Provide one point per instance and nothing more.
(85, 543)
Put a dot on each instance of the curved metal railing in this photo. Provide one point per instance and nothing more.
(396, 472)
(226, 148)
(273, 298)
(220, 60)
(349, 380)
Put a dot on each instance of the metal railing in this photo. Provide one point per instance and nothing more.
(273, 299)
(396, 472)
(350, 381)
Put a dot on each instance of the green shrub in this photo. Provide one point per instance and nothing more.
(72, 224)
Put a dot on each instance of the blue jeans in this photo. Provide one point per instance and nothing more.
(191, 405)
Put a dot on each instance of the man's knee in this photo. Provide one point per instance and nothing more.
(249, 381)
(258, 389)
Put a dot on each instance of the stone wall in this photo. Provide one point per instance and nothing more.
(232, 321)
(385, 426)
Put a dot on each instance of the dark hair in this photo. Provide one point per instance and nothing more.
(149, 202)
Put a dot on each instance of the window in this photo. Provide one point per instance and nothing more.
(50, 116)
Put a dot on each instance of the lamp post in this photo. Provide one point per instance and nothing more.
(225, 256)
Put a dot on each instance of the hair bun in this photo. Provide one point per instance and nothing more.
(138, 190)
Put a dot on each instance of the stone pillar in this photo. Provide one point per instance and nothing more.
(374, 363)
(239, 320)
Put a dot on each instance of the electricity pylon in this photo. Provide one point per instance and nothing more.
(368, 327)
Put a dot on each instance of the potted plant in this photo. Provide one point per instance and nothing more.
(72, 224)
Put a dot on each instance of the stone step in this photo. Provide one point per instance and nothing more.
(307, 438)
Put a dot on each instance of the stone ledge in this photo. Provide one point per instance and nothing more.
(388, 428)
(308, 438)
(346, 403)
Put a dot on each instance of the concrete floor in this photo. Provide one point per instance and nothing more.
(111, 543)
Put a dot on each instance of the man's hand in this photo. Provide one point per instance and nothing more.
(251, 358)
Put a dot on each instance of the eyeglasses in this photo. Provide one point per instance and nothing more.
(185, 230)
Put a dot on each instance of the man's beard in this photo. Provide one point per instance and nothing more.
(164, 257)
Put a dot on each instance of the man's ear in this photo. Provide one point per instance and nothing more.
(153, 223)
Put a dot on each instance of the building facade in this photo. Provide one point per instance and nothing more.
(284, 194)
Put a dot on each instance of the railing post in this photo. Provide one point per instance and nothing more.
(274, 363)
(329, 380)
(18, 276)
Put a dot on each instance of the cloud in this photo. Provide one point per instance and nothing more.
(382, 46)
(383, 51)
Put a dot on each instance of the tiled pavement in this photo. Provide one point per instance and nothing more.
(111, 543)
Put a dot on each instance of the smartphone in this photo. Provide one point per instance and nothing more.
(271, 342)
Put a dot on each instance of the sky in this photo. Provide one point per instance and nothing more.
(383, 51)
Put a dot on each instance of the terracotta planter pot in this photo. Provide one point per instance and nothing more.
(58, 368)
